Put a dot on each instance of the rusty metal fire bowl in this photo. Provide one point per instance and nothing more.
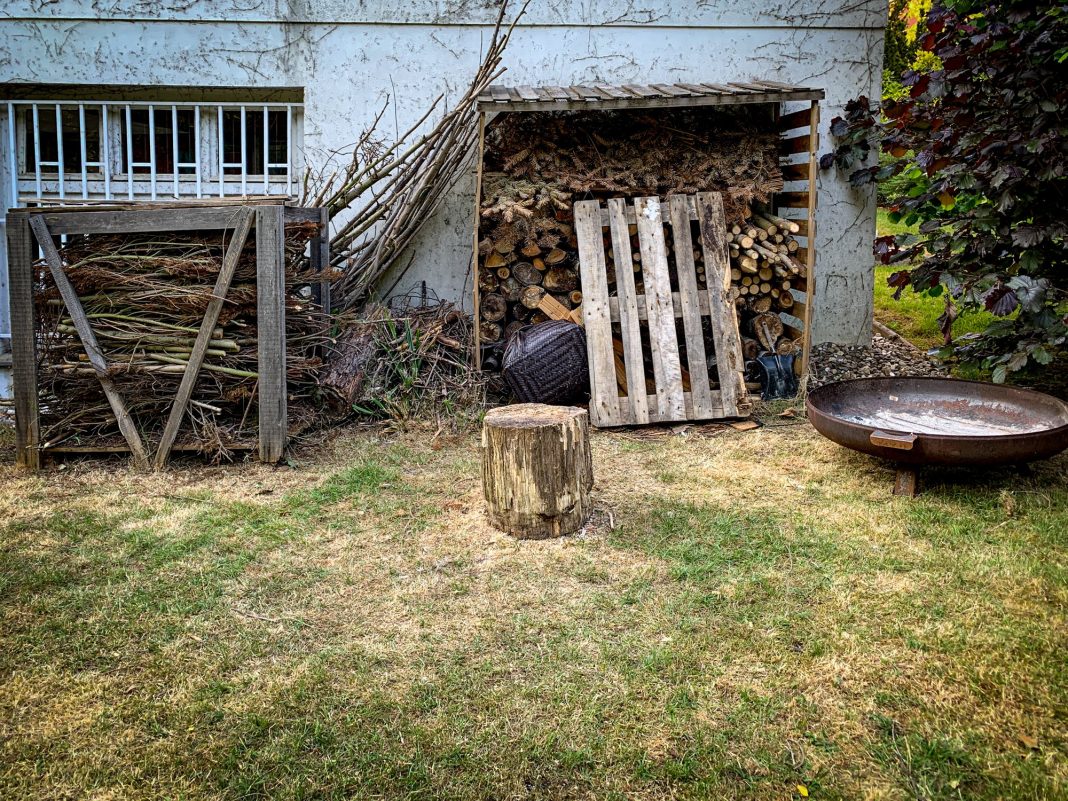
(940, 421)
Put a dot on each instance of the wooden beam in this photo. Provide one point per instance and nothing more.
(207, 326)
(153, 220)
(649, 100)
(85, 332)
(320, 258)
(23, 342)
(810, 231)
(271, 325)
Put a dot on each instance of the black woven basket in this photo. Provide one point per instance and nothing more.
(546, 362)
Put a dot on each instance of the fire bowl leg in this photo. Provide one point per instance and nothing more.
(905, 482)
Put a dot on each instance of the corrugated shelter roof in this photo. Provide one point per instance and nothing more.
(653, 95)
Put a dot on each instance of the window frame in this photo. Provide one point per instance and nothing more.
(119, 176)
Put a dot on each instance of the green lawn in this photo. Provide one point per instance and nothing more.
(748, 615)
(915, 316)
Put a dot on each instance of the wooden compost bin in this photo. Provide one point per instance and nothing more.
(799, 142)
(31, 228)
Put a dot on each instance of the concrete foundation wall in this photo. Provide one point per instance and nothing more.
(349, 56)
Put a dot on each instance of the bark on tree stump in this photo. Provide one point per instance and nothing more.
(536, 469)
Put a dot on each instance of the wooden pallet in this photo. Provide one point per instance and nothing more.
(683, 391)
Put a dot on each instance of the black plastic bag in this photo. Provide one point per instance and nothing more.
(546, 362)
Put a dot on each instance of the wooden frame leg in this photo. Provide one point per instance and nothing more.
(906, 482)
(20, 255)
(271, 324)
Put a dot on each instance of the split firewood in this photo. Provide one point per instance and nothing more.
(767, 328)
(510, 288)
(531, 250)
(561, 279)
(490, 332)
(526, 274)
(555, 256)
(487, 281)
(788, 347)
(531, 296)
(492, 307)
(760, 304)
(750, 348)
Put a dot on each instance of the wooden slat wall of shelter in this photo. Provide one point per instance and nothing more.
(800, 168)
(681, 393)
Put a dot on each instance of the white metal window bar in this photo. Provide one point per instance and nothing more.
(208, 164)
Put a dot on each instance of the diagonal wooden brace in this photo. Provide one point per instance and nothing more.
(207, 326)
(92, 348)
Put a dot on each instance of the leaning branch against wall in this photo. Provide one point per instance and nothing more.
(394, 189)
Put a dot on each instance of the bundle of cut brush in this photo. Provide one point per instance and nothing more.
(538, 164)
(145, 296)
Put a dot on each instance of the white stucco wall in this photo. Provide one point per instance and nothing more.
(349, 54)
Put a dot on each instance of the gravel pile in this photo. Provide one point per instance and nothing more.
(830, 362)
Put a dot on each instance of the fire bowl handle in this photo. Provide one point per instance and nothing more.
(893, 439)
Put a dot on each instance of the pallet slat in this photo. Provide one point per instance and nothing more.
(686, 273)
(795, 172)
(792, 200)
(604, 403)
(725, 334)
(795, 119)
(627, 312)
(663, 341)
(795, 144)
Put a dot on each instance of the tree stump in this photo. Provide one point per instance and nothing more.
(536, 469)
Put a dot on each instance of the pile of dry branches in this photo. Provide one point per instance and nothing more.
(391, 190)
(410, 359)
(145, 296)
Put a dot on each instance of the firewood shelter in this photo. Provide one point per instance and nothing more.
(515, 285)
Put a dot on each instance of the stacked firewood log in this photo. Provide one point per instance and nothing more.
(513, 278)
(764, 269)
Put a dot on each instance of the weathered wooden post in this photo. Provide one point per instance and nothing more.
(537, 469)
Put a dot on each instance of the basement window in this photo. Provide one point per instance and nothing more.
(144, 150)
